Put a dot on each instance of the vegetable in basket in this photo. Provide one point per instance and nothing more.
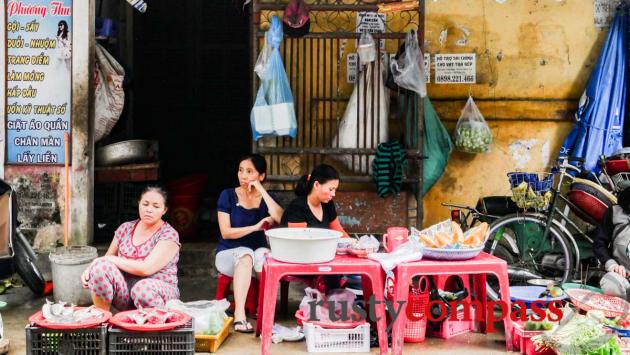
(580, 335)
(525, 197)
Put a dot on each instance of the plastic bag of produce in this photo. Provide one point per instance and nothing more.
(472, 133)
(208, 316)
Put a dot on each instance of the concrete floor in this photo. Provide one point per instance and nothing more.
(22, 303)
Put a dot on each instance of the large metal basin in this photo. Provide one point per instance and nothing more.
(127, 152)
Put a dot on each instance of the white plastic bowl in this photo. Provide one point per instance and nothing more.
(303, 245)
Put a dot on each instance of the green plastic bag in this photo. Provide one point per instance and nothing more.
(437, 147)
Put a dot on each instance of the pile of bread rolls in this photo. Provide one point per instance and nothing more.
(473, 238)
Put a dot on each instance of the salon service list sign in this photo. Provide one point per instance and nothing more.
(39, 79)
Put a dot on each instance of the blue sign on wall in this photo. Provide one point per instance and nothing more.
(39, 80)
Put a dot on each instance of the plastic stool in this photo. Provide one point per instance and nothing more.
(223, 291)
(450, 328)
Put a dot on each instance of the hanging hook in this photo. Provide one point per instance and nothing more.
(469, 90)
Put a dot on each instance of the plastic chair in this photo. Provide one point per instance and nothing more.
(223, 291)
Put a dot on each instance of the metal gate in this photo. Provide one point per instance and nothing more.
(316, 67)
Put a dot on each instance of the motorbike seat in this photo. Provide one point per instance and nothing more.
(497, 205)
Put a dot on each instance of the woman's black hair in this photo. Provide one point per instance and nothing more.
(64, 32)
(157, 189)
(259, 162)
(623, 199)
(322, 174)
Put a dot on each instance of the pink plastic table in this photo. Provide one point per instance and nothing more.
(478, 267)
(274, 270)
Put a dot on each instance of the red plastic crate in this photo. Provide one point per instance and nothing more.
(522, 340)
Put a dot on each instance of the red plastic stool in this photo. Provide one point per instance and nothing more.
(449, 328)
(223, 291)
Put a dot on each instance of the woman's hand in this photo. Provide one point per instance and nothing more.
(619, 269)
(255, 184)
(260, 225)
(85, 277)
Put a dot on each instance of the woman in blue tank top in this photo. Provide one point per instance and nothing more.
(244, 212)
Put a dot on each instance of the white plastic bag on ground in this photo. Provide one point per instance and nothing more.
(208, 316)
(109, 97)
(408, 69)
(364, 123)
(472, 133)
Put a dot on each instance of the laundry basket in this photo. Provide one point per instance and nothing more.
(415, 330)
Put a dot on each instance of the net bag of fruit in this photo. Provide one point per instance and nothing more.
(472, 133)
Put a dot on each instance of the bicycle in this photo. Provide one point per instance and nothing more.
(536, 244)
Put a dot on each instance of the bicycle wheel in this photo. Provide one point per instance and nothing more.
(534, 257)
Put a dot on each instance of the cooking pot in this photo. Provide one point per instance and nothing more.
(127, 152)
(303, 245)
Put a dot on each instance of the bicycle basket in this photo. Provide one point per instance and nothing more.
(531, 190)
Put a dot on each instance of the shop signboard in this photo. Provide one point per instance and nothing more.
(38, 80)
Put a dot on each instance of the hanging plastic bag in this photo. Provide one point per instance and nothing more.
(313, 295)
(109, 97)
(273, 112)
(437, 147)
(408, 68)
(263, 58)
(366, 49)
(364, 123)
(339, 297)
(208, 316)
(472, 133)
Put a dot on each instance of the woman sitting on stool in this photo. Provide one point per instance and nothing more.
(140, 266)
(243, 213)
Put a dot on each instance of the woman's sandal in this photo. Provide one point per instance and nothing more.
(244, 323)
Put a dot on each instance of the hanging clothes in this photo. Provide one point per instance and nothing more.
(388, 167)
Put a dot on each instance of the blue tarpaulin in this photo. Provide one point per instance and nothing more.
(598, 128)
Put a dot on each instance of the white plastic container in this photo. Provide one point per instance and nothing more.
(303, 245)
(322, 340)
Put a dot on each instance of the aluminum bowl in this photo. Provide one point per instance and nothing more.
(127, 152)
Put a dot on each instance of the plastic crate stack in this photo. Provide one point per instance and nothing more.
(87, 341)
(179, 341)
